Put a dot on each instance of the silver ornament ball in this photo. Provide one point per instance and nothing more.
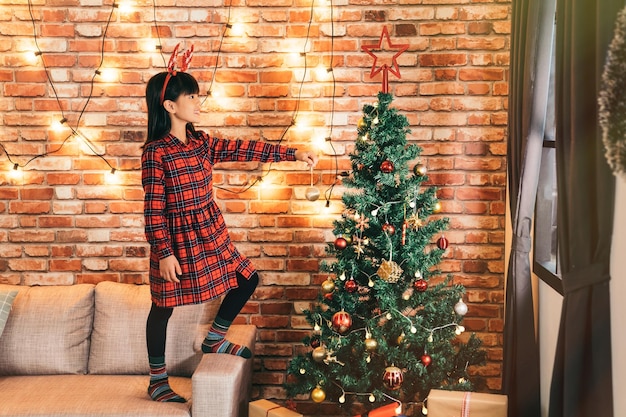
(312, 194)
(460, 308)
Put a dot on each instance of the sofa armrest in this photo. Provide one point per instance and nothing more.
(221, 384)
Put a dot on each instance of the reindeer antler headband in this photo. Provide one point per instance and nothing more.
(171, 67)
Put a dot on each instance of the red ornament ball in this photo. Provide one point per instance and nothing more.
(442, 243)
(420, 285)
(426, 359)
(351, 285)
(341, 243)
(390, 229)
(342, 322)
(315, 342)
(393, 378)
(386, 166)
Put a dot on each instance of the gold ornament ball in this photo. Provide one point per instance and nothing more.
(319, 354)
(361, 123)
(371, 344)
(419, 170)
(328, 286)
(318, 395)
(437, 207)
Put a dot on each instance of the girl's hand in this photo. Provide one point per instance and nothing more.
(170, 269)
(305, 156)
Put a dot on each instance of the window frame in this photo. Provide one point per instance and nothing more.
(547, 271)
(545, 219)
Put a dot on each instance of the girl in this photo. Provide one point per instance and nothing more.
(192, 259)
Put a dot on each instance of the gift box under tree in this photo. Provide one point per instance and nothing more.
(265, 408)
(441, 403)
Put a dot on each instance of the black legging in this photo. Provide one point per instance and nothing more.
(156, 325)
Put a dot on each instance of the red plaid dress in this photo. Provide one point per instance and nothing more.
(182, 218)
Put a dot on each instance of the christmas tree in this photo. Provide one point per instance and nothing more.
(386, 324)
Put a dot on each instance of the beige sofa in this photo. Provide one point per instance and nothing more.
(80, 351)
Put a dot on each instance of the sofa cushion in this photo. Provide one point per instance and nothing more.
(118, 341)
(48, 330)
(6, 302)
(88, 395)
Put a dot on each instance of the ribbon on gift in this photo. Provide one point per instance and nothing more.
(267, 412)
(465, 409)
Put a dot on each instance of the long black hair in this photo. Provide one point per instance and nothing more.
(159, 123)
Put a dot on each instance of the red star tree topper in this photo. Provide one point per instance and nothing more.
(385, 67)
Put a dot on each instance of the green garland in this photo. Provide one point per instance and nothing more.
(612, 98)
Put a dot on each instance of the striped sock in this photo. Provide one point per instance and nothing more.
(159, 388)
(215, 341)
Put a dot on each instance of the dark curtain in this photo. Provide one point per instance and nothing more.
(581, 380)
(531, 52)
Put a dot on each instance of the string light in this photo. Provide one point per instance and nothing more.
(112, 75)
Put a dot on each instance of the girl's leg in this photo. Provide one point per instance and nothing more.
(232, 304)
(156, 331)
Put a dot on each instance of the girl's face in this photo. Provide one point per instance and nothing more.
(186, 109)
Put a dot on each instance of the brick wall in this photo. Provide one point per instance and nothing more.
(62, 221)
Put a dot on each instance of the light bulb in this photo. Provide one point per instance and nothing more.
(125, 7)
(342, 399)
(32, 56)
(372, 398)
(322, 72)
(319, 141)
(111, 177)
(237, 29)
(107, 75)
(58, 124)
(15, 172)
